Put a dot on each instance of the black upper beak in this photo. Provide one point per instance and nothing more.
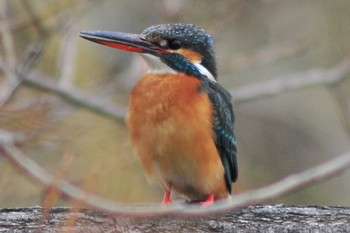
(123, 41)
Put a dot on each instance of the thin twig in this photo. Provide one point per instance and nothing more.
(287, 185)
(340, 95)
(32, 54)
(11, 85)
(270, 53)
(13, 71)
(51, 12)
(34, 19)
(76, 96)
(67, 56)
(11, 81)
(292, 82)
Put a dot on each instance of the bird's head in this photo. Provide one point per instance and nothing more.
(172, 48)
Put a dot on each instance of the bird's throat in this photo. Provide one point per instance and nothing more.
(156, 66)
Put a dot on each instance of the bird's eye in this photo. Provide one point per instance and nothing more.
(174, 44)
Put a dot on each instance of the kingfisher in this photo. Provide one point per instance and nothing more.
(180, 119)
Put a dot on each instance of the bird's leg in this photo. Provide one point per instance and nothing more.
(166, 199)
(208, 202)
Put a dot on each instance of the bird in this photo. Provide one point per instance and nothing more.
(180, 119)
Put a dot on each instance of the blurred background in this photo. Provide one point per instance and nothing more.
(256, 41)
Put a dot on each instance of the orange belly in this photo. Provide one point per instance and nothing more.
(170, 124)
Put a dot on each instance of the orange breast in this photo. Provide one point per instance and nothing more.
(170, 124)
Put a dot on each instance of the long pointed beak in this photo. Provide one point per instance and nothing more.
(123, 41)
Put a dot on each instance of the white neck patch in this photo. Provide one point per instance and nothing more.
(204, 71)
(158, 67)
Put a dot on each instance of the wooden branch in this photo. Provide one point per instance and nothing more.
(291, 183)
(259, 218)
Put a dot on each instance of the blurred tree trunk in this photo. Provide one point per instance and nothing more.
(258, 218)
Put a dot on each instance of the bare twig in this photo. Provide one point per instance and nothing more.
(278, 189)
(34, 20)
(270, 53)
(51, 12)
(77, 96)
(74, 95)
(343, 101)
(292, 82)
(32, 54)
(13, 71)
(11, 85)
(11, 81)
(67, 56)
(8, 88)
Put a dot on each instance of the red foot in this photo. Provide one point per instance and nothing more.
(166, 199)
(208, 202)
